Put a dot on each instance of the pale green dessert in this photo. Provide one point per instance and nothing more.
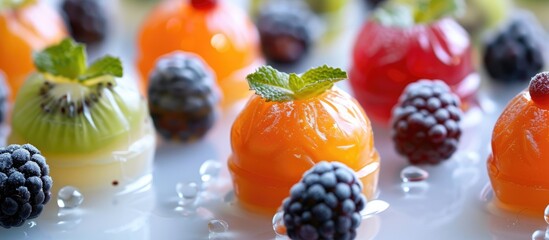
(93, 127)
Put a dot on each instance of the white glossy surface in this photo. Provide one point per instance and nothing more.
(450, 204)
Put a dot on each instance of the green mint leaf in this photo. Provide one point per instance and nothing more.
(406, 13)
(107, 65)
(271, 84)
(67, 59)
(296, 82)
(318, 80)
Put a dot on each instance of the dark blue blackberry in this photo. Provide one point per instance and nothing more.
(86, 20)
(24, 184)
(426, 122)
(325, 204)
(514, 55)
(183, 97)
(285, 29)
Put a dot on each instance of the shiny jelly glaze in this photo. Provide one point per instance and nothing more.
(274, 143)
(222, 35)
(387, 58)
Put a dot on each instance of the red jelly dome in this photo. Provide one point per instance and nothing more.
(387, 58)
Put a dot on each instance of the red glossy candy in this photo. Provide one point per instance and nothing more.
(387, 58)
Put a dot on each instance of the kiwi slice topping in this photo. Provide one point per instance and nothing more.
(68, 107)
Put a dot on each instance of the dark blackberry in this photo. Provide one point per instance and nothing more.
(86, 20)
(285, 29)
(325, 204)
(24, 184)
(426, 122)
(183, 97)
(514, 55)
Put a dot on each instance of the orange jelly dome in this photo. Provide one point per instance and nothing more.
(22, 31)
(519, 162)
(222, 35)
(274, 143)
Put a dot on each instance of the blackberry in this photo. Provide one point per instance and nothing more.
(285, 29)
(372, 4)
(25, 184)
(325, 204)
(183, 97)
(426, 122)
(514, 54)
(86, 20)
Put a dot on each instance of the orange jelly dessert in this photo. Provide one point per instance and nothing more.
(518, 165)
(220, 33)
(292, 123)
(25, 26)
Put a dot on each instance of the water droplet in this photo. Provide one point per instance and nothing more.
(278, 224)
(187, 192)
(487, 193)
(217, 226)
(413, 174)
(546, 214)
(69, 197)
(374, 207)
(540, 235)
(209, 170)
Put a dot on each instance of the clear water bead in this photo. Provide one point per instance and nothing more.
(539, 235)
(278, 224)
(69, 197)
(209, 170)
(217, 226)
(413, 174)
(187, 192)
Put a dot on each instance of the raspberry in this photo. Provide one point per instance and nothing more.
(426, 122)
(514, 54)
(183, 97)
(325, 204)
(24, 184)
(539, 89)
(285, 31)
(86, 20)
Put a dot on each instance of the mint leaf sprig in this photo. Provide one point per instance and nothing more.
(407, 13)
(68, 59)
(273, 85)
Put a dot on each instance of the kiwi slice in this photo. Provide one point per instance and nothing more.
(68, 107)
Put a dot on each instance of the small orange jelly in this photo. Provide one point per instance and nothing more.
(519, 163)
(24, 29)
(275, 142)
(219, 32)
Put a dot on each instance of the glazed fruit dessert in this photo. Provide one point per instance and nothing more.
(403, 43)
(517, 166)
(514, 55)
(325, 204)
(291, 123)
(93, 127)
(21, 32)
(425, 122)
(25, 184)
(86, 19)
(183, 97)
(215, 30)
(285, 31)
